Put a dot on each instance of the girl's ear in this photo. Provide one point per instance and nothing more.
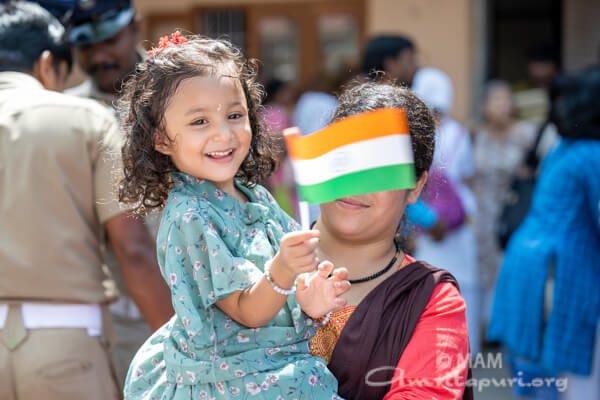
(413, 194)
(161, 143)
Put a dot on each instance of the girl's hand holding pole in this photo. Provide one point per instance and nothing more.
(296, 255)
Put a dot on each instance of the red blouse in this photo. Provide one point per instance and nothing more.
(434, 364)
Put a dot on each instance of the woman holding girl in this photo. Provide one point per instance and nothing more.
(403, 334)
(194, 146)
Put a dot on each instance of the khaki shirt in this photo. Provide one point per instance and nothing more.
(58, 166)
(88, 89)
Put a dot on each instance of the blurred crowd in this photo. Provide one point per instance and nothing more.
(511, 208)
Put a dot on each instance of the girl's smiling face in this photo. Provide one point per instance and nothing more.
(208, 129)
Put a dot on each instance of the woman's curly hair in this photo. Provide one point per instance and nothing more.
(372, 95)
(147, 173)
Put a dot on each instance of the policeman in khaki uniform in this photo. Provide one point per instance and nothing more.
(105, 35)
(58, 164)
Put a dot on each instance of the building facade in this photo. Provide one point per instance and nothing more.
(309, 41)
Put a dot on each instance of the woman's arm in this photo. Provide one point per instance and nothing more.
(435, 362)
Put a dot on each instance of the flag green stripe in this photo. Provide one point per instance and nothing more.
(399, 176)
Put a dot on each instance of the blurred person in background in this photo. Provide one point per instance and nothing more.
(59, 158)
(532, 97)
(393, 54)
(315, 107)
(500, 145)
(547, 304)
(394, 58)
(452, 162)
(105, 37)
(276, 114)
(542, 65)
(278, 103)
(314, 111)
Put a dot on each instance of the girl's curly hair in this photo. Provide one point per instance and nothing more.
(372, 95)
(147, 173)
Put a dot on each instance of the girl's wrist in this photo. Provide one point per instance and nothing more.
(279, 278)
(320, 322)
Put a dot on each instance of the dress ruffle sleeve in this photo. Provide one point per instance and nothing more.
(196, 251)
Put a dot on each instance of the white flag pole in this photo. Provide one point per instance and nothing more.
(303, 206)
(304, 215)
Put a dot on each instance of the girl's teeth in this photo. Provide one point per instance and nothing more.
(219, 153)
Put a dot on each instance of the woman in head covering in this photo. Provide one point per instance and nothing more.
(448, 194)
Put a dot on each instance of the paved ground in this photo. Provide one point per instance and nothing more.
(490, 376)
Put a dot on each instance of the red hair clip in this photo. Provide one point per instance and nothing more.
(164, 42)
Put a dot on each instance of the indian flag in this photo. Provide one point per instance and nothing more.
(364, 153)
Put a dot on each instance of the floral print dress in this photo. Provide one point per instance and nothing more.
(496, 160)
(209, 246)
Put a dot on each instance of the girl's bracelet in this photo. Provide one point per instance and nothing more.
(325, 320)
(285, 292)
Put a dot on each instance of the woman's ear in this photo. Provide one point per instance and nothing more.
(413, 194)
(162, 143)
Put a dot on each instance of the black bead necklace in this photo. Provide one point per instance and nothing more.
(376, 274)
(381, 272)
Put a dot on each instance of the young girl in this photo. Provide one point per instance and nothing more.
(194, 146)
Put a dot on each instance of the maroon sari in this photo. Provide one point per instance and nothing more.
(379, 330)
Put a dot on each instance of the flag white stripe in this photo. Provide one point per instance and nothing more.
(358, 156)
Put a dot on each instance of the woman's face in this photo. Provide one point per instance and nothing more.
(368, 217)
(498, 107)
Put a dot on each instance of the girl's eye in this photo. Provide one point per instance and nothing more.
(200, 121)
(235, 116)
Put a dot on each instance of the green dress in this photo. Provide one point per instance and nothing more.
(209, 246)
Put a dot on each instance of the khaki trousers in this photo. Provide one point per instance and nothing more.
(131, 335)
(57, 363)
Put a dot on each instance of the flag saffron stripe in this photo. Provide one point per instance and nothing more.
(368, 154)
(369, 125)
(400, 176)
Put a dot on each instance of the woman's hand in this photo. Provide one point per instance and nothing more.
(296, 255)
(318, 293)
